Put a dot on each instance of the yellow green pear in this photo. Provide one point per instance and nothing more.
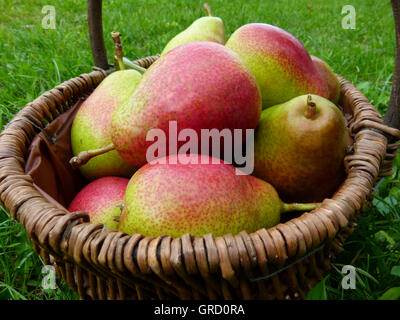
(91, 127)
(199, 196)
(203, 29)
(299, 148)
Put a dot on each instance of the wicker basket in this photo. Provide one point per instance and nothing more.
(282, 262)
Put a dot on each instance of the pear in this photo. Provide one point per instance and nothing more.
(299, 148)
(200, 85)
(102, 199)
(330, 78)
(203, 29)
(204, 195)
(281, 64)
(91, 126)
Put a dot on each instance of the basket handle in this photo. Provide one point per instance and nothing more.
(392, 117)
(95, 24)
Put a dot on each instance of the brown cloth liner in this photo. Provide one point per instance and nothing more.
(48, 161)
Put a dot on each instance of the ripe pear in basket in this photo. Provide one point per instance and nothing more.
(280, 62)
(203, 195)
(200, 85)
(299, 148)
(102, 200)
(91, 126)
(203, 29)
(330, 78)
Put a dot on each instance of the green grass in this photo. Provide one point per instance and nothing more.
(21, 269)
(33, 60)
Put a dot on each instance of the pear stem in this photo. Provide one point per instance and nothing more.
(208, 8)
(286, 207)
(84, 157)
(130, 65)
(311, 108)
(118, 49)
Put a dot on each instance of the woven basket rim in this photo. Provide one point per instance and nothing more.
(68, 235)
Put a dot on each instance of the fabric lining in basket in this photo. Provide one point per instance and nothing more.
(48, 161)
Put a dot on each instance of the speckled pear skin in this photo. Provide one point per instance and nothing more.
(279, 61)
(202, 29)
(201, 85)
(91, 127)
(101, 199)
(330, 78)
(302, 158)
(175, 199)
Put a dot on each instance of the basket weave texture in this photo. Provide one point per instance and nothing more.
(282, 262)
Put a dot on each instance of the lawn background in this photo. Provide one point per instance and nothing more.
(34, 60)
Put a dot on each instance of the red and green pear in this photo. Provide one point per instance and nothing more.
(91, 126)
(330, 78)
(281, 64)
(299, 148)
(102, 199)
(200, 85)
(202, 196)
